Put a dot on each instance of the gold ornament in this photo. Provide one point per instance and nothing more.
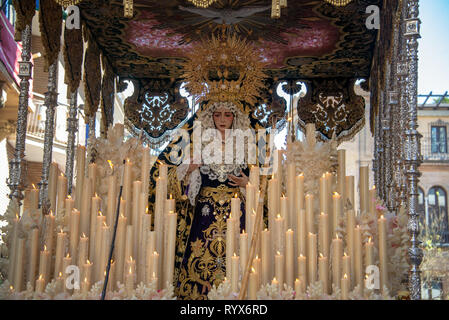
(202, 3)
(128, 8)
(67, 3)
(225, 70)
(339, 3)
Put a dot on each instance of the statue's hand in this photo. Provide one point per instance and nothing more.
(238, 181)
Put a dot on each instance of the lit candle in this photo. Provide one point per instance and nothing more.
(302, 269)
(345, 284)
(252, 290)
(235, 211)
(337, 253)
(127, 187)
(67, 261)
(83, 250)
(291, 203)
(170, 204)
(145, 171)
(249, 204)
(112, 197)
(85, 286)
(284, 208)
(19, 265)
(369, 253)
(312, 258)
(150, 246)
(14, 235)
(382, 229)
(34, 198)
(101, 219)
(324, 234)
(49, 233)
(309, 214)
(137, 190)
(74, 233)
(44, 262)
(94, 209)
(86, 274)
(53, 185)
(235, 273)
(323, 194)
(129, 281)
(337, 207)
(230, 243)
(323, 264)
(105, 247)
(60, 247)
(279, 234)
(372, 201)
(59, 283)
(289, 262)
(128, 245)
(155, 258)
(301, 232)
(69, 204)
(358, 256)
(279, 268)
(298, 289)
(92, 174)
(254, 177)
(273, 200)
(275, 283)
(257, 266)
(85, 208)
(40, 284)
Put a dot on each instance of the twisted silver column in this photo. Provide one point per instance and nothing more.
(72, 129)
(413, 148)
(15, 181)
(51, 103)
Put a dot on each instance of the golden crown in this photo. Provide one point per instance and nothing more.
(224, 70)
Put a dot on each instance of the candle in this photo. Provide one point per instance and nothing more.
(266, 257)
(67, 261)
(279, 234)
(273, 200)
(161, 195)
(94, 209)
(169, 254)
(170, 204)
(120, 242)
(363, 188)
(112, 199)
(59, 283)
(235, 210)
(80, 168)
(358, 256)
(349, 190)
(44, 262)
(105, 248)
(346, 263)
(49, 233)
(60, 247)
(323, 194)
(137, 190)
(155, 258)
(40, 284)
(144, 228)
(291, 203)
(83, 250)
(257, 267)
(14, 236)
(323, 264)
(97, 255)
(243, 244)
(85, 208)
(337, 206)
(34, 198)
(302, 269)
(69, 204)
(309, 214)
(372, 201)
(19, 256)
(350, 224)
(61, 194)
(289, 262)
(324, 234)
(284, 208)
(249, 204)
(337, 253)
(127, 187)
(85, 286)
(300, 191)
(145, 171)
(312, 258)
(301, 232)
(252, 287)
(274, 282)
(254, 177)
(52, 185)
(230, 244)
(92, 174)
(279, 268)
(86, 274)
(382, 230)
(341, 175)
(345, 287)
(298, 289)
(128, 245)
(369, 253)
(74, 232)
(34, 252)
(129, 281)
(235, 273)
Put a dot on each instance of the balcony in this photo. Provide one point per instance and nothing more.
(429, 154)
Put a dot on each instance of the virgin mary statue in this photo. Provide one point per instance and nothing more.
(204, 186)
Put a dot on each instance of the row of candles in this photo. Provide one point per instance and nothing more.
(85, 241)
(304, 244)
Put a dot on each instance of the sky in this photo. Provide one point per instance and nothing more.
(433, 49)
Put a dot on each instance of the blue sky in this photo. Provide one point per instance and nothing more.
(433, 47)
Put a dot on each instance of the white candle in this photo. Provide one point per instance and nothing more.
(120, 242)
(92, 173)
(345, 285)
(44, 262)
(169, 254)
(266, 257)
(249, 205)
(145, 173)
(95, 208)
(358, 256)
(112, 199)
(323, 264)
(279, 268)
(350, 225)
(323, 194)
(230, 244)
(105, 247)
(67, 261)
(369, 253)
(289, 262)
(235, 273)
(372, 201)
(337, 253)
(300, 191)
(279, 234)
(349, 190)
(61, 194)
(382, 229)
(346, 263)
(337, 207)
(20, 254)
(312, 258)
(34, 253)
(243, 250)
(341, 155)
(298, 289)
(69, 204)
(323, 233)
(83, 250)
(302, 269)
(60, 247)
(127, 187)
(137, 190)
(85, 208)
(40, 284)
(74, 233)
(363, 188)
(150, 246)
(309, 214)
(252, 287)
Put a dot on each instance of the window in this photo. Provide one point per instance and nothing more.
(421, 209)
(439, 139)
(437, 206)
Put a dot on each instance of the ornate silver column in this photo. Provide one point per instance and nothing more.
(90, 154)
(413, 148)
(15, 181)
(72, 129)
(51, 103)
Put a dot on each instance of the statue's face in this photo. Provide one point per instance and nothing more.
(223, 118)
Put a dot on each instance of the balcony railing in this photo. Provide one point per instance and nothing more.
(429, 153)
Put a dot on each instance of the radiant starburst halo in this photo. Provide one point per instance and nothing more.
(224, 70)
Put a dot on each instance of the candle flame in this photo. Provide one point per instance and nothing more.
(154, 274)
(336, 236)
(11, 288)
(130, 270)
(104, 224)
(336, 193)
(99, 213)
(127, 160)
(301, 174)
(159, 162)
(289, 230)
(278, 216)
(253, 270)
(278, 253)
(345, 254)
(171, 196)
(68, 255)
(34, 186)
(69, 197)
(257, 256)
(146, 210)
(235, 255)
(369, 239)
(60, 274)
(274, 279)
(324, 175)
(111, 164)
(17, 216)
(62, 231)
(155, 252)
(382, 216)
(62, 175)
(345, 276)
(243, 231)
(45, 247)
(121, 215)
(104, 273)
(88, 262)
(235, 195)
(96, 195)
(85, 279)
(301, 255)
(83, 236)
(321, 255)
(266, 229)
(254, 211)
(41, 276)
(130, 258)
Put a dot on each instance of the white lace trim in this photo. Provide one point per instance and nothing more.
(181, 171)
(194, 185)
